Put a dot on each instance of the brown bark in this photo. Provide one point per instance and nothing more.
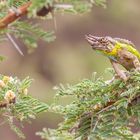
(11, 16)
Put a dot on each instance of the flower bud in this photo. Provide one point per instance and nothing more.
(97, 106)
(10, 96)
(2, 84)
(6, 79)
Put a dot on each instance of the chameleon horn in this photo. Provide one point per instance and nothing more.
(91, 39)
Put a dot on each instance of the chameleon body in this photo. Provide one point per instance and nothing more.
(119, 51)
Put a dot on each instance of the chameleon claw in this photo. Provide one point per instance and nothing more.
(110, 81)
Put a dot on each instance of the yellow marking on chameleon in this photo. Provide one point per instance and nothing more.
(130, 49)
(119, 46)
(114, 51)
(133, 51)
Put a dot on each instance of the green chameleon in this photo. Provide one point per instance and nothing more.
(119, 51)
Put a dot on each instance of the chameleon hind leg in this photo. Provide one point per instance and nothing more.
(120, 73)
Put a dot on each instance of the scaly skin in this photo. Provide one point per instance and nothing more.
(119, 51)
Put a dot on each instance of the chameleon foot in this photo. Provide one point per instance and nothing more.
(123, 76)
(110, 81)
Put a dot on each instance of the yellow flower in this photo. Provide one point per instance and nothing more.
(10, 96)
(6, 79)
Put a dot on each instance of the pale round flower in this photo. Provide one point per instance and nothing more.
(2, 84)
(97, 106)
(11, 79)
(2, 4)
(10, 96)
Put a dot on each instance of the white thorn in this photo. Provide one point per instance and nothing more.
(64, 6)
(14, 43)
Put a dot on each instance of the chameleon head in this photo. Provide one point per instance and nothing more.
(104, 44)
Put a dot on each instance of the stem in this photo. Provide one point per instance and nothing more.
(12, 16)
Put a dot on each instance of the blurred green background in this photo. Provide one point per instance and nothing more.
(69, 59)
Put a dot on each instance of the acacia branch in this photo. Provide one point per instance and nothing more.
(12, 16)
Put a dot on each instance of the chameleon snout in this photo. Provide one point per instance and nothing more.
(92, 40)
(95, 42)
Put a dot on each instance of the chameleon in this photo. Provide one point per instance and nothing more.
(119, 51)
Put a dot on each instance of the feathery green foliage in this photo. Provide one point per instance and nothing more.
(30, 32)
(16, 104)
(99, 111)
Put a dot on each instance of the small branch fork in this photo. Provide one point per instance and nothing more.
(14, 13)
(12, 16)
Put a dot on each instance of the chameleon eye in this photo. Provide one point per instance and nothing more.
(104, 40)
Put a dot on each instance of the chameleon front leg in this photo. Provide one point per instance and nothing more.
(119, 72)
